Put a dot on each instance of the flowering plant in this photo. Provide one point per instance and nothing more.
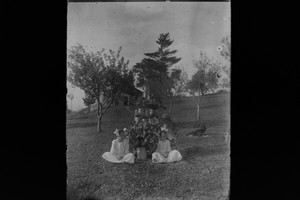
(117, 132)
(144, 133)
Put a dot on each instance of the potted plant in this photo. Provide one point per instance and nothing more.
(143, 136)
(144, 130)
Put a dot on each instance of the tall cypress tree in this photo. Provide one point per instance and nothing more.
(163, 56)
(154, 71)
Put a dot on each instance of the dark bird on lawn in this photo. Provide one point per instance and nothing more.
(199, 132)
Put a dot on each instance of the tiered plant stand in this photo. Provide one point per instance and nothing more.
(141, 152)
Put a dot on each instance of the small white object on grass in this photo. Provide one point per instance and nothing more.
(227, 137)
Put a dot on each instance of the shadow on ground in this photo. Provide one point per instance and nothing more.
(190, 153)
(211, 106)
(142, 177)
(77, 117)
(73, 192)
(91, 198)
(144, 171)
(81, 125)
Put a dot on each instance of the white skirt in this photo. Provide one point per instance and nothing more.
(172, 157)
(112, 158)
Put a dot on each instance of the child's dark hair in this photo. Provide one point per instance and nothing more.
(162, 132)
(118, 132)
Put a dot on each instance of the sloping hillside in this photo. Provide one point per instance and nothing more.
(214, 109)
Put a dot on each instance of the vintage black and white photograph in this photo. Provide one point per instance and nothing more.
(148, 101)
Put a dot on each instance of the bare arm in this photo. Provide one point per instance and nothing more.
(168, 148)
(113, 148)
(126, 147)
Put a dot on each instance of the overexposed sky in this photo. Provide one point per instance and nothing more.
(135, 26)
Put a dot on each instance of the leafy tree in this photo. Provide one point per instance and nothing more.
(99, 75)
(71, 97)
(154, 74)
(176, 84)
(204, 80)
(128, 86)
(226, 48)
(88, 101)
(225, 51)
(164, 89)
(180, 85)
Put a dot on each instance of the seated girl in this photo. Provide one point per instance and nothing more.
(163, 151)
(119, 152)
(170, 135)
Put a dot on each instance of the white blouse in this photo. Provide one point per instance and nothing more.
(163, 147)
(120, 148)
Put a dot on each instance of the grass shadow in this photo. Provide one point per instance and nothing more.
(72, 194)
(81, 125)
(86, 124)
(75, 192)
(211, 106)
(77, 117)
(190, 153)
(90, 198)
(143, 178)
(141, 170)
(216, 122)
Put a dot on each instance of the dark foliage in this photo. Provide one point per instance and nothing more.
(153, 71)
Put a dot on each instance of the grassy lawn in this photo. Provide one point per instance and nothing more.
(203, 172)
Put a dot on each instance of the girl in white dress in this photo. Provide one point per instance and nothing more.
(163, 151)
(119, 152)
